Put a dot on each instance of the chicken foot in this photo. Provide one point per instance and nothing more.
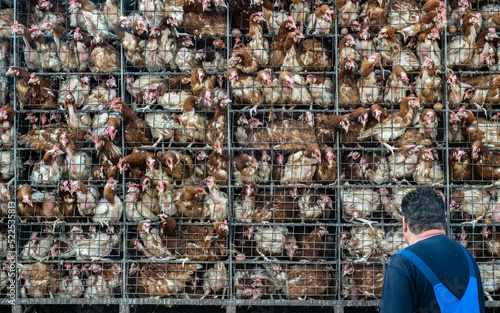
(388, 146)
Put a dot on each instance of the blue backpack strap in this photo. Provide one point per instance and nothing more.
(472, 272)
(428, 273)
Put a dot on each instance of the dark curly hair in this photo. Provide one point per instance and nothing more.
(424, 210)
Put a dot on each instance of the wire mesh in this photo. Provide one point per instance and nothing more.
(179, 151)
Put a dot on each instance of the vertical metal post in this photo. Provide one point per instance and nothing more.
(229, 294)
(338, 207)
(124, 307)
(16, 308)
(444, 62)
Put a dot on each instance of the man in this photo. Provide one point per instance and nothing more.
(444, 262)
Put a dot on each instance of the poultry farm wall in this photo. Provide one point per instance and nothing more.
(303, 235)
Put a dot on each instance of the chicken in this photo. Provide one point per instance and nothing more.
(155, 58)
(40, 280)
(314, 205)
(137, 132)
(428, 169)
(430, 19)
(392, 51)
(185, 58)
(133, 46)
(362, 280)
(281, 207)
(78, 163)
(348, 11)
(403, 13)
(321, 89)
(211, 59)
(193, 123)
(357, 122)
(215, 206)
(365, 42)
(364, 242)
(142, 202)
(322, 20)
(137, 162)
(110, 156)
(296, 281)
(295, 89)
(327, 169)
(460, 166)
(174, 92)
(216, 127)
(165, 196)
(50, 169)
(396, 86)
(86, 197)
(348, 88)
(144, 89)
(218, 164)
(245, 89)
(207, 23)
(258, 44)
(315, 56)
(289, 61)
(104, 281)
(428, 47)
(428, 83)
(277, 48)
(176, 164)
(75, 120)
(79, 86)
(86, 15)
(67, 52)
(391, 200)
(301, 166)
(101, 95)
(347, 49)
(394, 126)
(474, 203)
(250, 284)
(33, 91)
(38, 51)
(327, 124)
(425, 132)
(71, 286)
(290, 134)
(38, 248)
(243, 60)
(489, 276)
(359, 204)
(402, 163)
(104, 58)
(215, 280)
(110, 208)
(274, 19)
(479, 129)
(374, 13)
(456, 91)
(486, 163)
(244, 206)
(461, 48)
(245, 168)
(189, 201)
(200, 82)
(161, 280)
(367, 84)
(273, 240)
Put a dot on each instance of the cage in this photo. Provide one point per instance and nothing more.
(242, 152)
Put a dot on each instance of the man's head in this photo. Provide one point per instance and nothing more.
(423, 210)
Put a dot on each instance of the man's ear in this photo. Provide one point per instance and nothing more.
(405, 225)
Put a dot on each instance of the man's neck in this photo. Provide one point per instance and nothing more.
(426, 234)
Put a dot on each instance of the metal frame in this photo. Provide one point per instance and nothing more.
(231, 303)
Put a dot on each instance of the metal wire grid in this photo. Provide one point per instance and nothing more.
(340, 152)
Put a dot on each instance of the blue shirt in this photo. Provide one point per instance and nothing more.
(406, 289)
